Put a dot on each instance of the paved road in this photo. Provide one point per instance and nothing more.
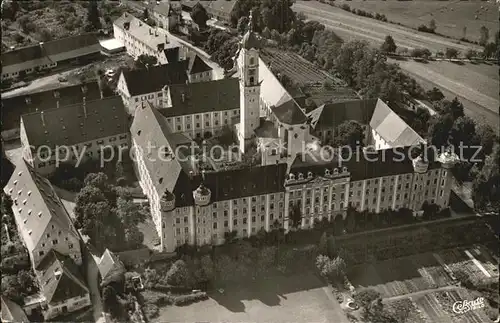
(373, 30)
(92, 272)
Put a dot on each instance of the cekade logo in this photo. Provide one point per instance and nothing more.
(465, 306)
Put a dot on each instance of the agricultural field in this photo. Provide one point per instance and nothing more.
(422, 272)
(350, 26)
(451, 16)
(438, 307)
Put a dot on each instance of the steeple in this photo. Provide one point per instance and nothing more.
(250, 40)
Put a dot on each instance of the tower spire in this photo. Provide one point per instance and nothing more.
(250, 21)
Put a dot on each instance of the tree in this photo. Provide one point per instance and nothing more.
(439, 130)
(435, 94)
(486, 187)
(266, 33)
(144, 61)
(463, 132)
(451, 53)
(243, 25)
(366, 296)
(199, 15)
(432, 25)
(93, 21)
(470, 54)
(323, 245)
(178, 274)
(487, 136)
(110, 301)
(455, 108)
(145, 14)
(389, 46)
(349, 133)
(296, 215)
(331, 247)
(484, 36)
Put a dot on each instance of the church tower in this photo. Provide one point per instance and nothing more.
(248, 65)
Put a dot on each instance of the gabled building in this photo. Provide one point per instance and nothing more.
(201, 109)
(140, 38)
(74, 132)
(63, 288)
(388, 130)
(47, 55)
(218, 9)
(12, 312)
(197, 69)
(111, 269)
(13, 107)
(134, 90)
(42, 220)
(166, 14)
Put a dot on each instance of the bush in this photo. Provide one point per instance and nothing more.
(188, 299)
(150, 310)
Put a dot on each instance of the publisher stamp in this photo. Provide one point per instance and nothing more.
(462, 307)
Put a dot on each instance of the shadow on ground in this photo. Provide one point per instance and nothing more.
(269, 290)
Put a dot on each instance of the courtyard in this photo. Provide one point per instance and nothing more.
(277, 298)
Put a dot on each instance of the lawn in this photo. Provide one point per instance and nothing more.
(450, 16)
(297, 298)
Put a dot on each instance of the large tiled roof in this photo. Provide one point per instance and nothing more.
(150, 127)
(76, 123)
(392, 128)
(38, 205)
(14, 107)
(51, 51)
(154, 78)
(61, 278)
(197, 65)
(203, 97)
(12, 312)
(380, 163)
(151, 36)
(212, 5)
(331, 115)
(244, 182)
(289, 113)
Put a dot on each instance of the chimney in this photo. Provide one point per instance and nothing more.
(150, 31)
(41, 44)
(156, 32)
(84, 107)
(183, 97)
(166, 39)
(43, 119)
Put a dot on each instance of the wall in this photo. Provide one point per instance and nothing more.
(92, 150)
(200, 77)
(72, 305)
(196, 125)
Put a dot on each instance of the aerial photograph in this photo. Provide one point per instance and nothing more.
(250, 161)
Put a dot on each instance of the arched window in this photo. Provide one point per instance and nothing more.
(252, 60)
(251, 80)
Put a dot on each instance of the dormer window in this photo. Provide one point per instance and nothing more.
(344, 169)
(327, 171)
(309, 174)
(301, 176)
(336, 171)
(292, 177)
